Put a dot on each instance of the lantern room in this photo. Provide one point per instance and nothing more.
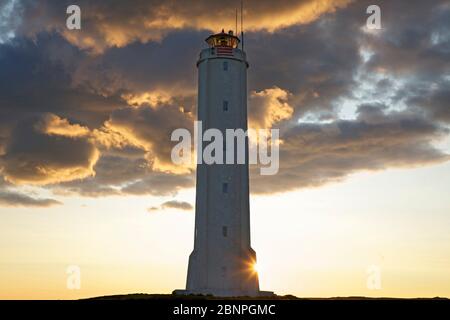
(223, 39)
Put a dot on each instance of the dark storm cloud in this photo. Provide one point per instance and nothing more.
(111, 173)
(415, 40)
(315, 62)
(151, 183)
(34, 154)
(434, 99)
(160, 184)
(127, 92)
(151, 127)
(414, 50)
(315, 154)
(52, 85)
(118, 23)
(167, 66)
(114, 170)
(121, 175)
(86, 188)
(15, 199)
(36, 76)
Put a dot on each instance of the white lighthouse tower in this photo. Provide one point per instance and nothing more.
(222, 262)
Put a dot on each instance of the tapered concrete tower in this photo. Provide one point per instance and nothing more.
(222, 261)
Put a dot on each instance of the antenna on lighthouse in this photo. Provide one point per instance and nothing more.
(236, 29)
(242, 24)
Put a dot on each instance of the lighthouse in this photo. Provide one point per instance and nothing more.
(222, 262)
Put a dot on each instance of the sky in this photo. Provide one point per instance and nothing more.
(86, 178)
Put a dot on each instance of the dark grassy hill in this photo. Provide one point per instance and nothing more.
(145, 296)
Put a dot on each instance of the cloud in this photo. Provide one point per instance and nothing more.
(172, 204)
(142, 72)
(115, 23)
(9, 19)
(37, 155)
(312, 155)
(407, 48)
(51, 124)
(104, 120)
(159, 184)
(112, 173)
(14, 199)
(181, 205)
(38, 76)
(268, 107)
(85, 188)
(151, 127)
(313, 63)
(434, 99)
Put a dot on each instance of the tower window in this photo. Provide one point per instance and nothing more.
(225, 65)
(225, 231)
(225, 105)
(225, 187)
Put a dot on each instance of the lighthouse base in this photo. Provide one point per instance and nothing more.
(224, 293)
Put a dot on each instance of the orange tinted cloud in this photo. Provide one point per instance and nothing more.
(51, 124)
(150, 128)
(117, 23)
(48, 150)
(268, 107)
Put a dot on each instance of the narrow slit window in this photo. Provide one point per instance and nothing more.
(225, 187)
(225, 66)
(225, 105)
(225, 231)
(224, 150)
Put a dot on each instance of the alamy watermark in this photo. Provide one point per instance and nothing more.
(228, 149)
(373, 277)
(374, 20)
(73, 21)
(73, 281)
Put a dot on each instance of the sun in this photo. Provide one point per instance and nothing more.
(255, 267)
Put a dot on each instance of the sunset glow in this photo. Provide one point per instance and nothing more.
(92, 202)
